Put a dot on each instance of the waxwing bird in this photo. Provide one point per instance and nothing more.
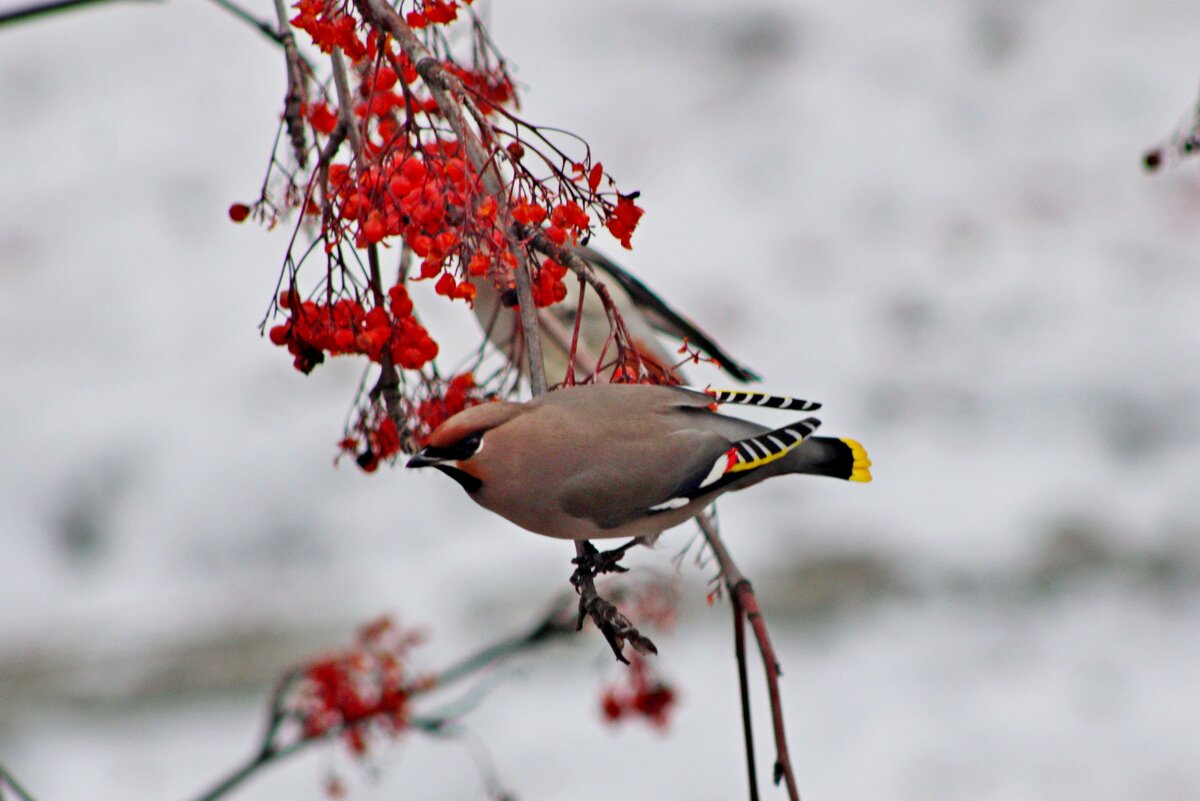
(646, 315)
(600, 461)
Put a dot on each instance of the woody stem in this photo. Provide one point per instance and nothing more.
(742, 594)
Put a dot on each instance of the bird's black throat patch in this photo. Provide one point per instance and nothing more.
(465, 479)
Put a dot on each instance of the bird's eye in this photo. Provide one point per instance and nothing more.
(468, 446)
(465, 448)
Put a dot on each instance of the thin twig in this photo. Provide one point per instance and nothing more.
(740, 588)
(297, 88)
(262, 26)
(554, 624)
(43, 9)
(573, 351)
(345, 100)
(568, 258)
(739, 650)
(269, 756)
(389, 379)
(7, 780)
(250, 767)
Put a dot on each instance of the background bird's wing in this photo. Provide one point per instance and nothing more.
(665, 318)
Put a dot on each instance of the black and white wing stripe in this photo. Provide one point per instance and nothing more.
(766, 448)
(742, 456)
(763, 399)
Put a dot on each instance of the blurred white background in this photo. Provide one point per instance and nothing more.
(929, 215)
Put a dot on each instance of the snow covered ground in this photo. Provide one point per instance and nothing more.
(930, 216)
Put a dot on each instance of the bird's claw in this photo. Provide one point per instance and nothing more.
(616, 628)
(592, 563)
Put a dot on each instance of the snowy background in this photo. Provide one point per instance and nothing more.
(928, 215)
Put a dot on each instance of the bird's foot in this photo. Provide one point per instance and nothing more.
(616, 628)
(592, 563)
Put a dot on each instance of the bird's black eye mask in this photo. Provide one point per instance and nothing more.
(440, 459)
(465, 448)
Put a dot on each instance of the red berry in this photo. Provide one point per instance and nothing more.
(430, 268)
(445, 285)
(238, 212)
(611, 707)
(595, 175)
(385, 78)
(374, 229)
(465, 291)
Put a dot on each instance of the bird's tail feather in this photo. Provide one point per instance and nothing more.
(831, 456)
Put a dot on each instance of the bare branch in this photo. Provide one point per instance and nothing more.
(263, 27)
(345, 100)
(297, 88)
(7, 780)
(742, 593)
(739, 650)
(44, 9)
(555, 623)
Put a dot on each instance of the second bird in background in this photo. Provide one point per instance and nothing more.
(645, 314)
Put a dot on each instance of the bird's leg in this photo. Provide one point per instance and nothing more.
(596, 563)
(616, 628)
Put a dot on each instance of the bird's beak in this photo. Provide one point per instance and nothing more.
(423, 459)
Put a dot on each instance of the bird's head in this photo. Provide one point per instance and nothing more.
(455, 444)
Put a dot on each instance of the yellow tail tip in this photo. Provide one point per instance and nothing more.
(861, 470)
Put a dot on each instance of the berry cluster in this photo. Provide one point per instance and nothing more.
(548, 287)
(329, 26)
(437, 12)
(382, 168)
(378, 432)
(459, 393)
(344, 327)
(351, 692)
(645, 695)
(375, 436)
(624, 218)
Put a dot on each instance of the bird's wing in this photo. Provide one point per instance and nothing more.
(627, 480)
(631, 483)
(665, 318)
